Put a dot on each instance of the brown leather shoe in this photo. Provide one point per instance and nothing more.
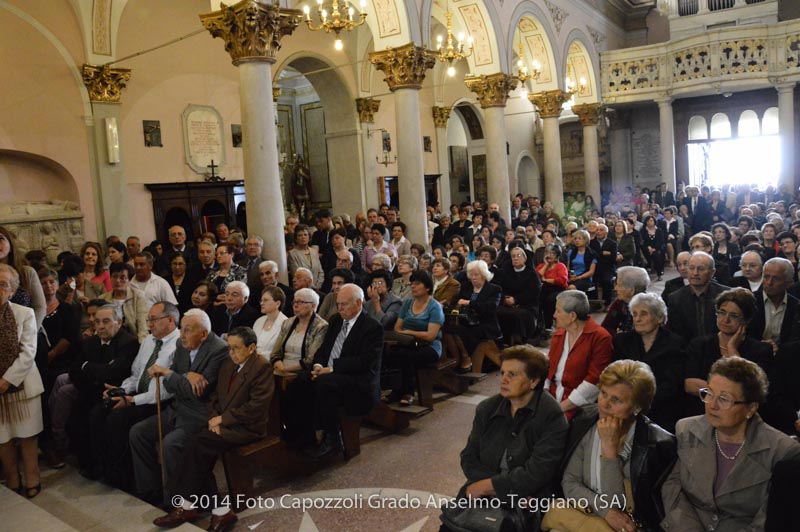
(221, 523)
(176, 518)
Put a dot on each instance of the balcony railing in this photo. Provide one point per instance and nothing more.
(687, 8)
(738, 58)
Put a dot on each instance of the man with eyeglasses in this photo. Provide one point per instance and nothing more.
(105, 358)
(751, 267)
(109, 456)
(691, 309)
(775, 321)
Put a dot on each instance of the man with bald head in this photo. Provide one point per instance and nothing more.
(775, 320)
(751, 265)
(179, 246)
(347, 367)
(692, 312)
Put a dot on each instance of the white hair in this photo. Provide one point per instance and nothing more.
(241, 286)
(202, 317)
(634, 278)
(307, 294)
(304, 271)
(654, 304)
(358, 292)
(271, 263)
(482, 267)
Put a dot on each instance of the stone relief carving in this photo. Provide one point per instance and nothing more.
(596, 35)
(558, 14)
(53, 226)
(631, 75)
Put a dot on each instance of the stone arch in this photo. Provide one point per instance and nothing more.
(577, 58)
(539, 38)
(479, 20)
(33, 177)
(527, 174)
(342, 134)
(60, 48)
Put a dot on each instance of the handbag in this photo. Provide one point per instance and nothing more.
(569, 519)
(476, 518)
(400, 339)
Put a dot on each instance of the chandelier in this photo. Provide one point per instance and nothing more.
(337, 21)
(522, 70)
(451, 53)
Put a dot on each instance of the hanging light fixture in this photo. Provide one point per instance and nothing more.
(523, 74)
(337, 21)
(451, 53)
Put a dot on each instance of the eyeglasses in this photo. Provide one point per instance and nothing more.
(724, 402)
(153, 320)
(299, 302)
(5, 286)
(730, 315)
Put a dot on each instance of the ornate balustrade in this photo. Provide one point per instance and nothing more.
(725, 60)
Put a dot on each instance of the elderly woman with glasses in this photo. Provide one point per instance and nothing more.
(382, 305)
(406, 265)
(649, 341)
(631, 280)
(726, 456)
(293, 352)
(735, 308)
(616, 457)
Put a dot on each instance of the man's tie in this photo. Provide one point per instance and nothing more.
(144, 380)
(337, 345)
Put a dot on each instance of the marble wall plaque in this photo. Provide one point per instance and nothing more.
(202, 137)
(646, 154)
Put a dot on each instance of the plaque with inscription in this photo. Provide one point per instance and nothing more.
(202, 137)
(646, 155)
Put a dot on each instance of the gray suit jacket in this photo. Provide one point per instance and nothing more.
(690, 503)
(191, 411)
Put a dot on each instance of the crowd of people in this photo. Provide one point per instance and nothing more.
(699, 378)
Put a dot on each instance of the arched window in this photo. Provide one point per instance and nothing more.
(698, 129)
(720, 126)
(769, 124)
(749, 125)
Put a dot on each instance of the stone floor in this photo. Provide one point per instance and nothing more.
(393, 485)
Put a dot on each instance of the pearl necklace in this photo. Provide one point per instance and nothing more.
(719, 448)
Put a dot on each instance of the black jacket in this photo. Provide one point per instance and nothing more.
(690, 317)
(524, 286)
(606, 264)
(654, 453)
(784, 393)
(220, 323)
(666, 359)
(533, 440)
(484, 308)
(790, 328)
(103, 364)
(360, 357)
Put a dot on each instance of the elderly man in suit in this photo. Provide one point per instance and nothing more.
(238, 415)
(347, 367)
(775, 320)
(268, 276)
(235, 312)
(606, 251)
(191, 379)
(691, 309)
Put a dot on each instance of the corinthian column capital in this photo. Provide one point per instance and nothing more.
(588, 113)
(549, 103)
(441, 115)
(404, 66)
(252, 30)
(492, 89)
(367, 107)
(105, 84)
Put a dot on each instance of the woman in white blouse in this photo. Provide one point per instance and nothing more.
(268, 326)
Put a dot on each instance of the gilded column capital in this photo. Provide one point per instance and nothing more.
(549, 102)
(492, 89)
(404, 66)
(276, 92)
(367, 107)
(588, 113)
(441, 115)
(252, 30)
(105, 84)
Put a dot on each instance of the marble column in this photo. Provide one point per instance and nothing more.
(549, 104)
(252, 32)
(112, 211)
(786, 129)
(440, 117)
(404, 68)
(367, 107)
(619, 132)
(667, 141)
(589, 114)
(492, 91)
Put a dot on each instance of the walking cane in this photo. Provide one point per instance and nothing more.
(160, 433)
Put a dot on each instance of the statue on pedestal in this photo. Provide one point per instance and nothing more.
(301, 187)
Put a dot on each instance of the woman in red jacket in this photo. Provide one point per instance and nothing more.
(580, 351)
